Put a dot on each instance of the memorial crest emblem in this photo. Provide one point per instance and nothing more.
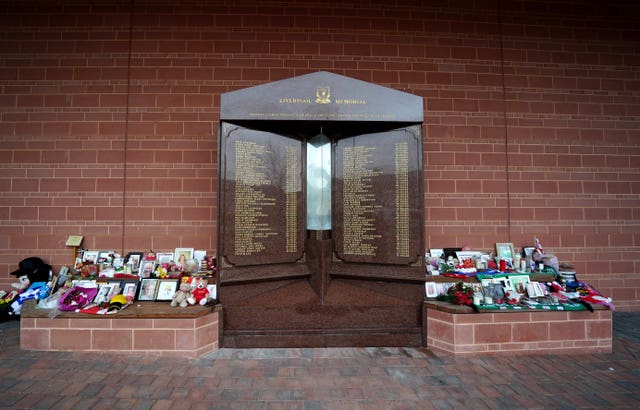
(323, 95)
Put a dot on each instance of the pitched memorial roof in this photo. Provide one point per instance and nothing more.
(321, 96)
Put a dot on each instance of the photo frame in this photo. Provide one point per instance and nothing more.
(462, 255)
(528, 250)
(505, 251)
(118, 262)
(181, 255)
(495, 292)
(534, 290)
(505, 282)
(148, 289)
(129, 290)
(519, 282)
(105, 257)
(103, 293)
(436, 252)
(430, 289)
(213, 291)
(443, 287)
(199, 255)
(90, 257)
(146, 268)
(450, 252)
(135, 258)
(166, 289)
(164, 257)
(116, 288)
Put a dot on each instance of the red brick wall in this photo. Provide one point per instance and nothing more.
(565, 168)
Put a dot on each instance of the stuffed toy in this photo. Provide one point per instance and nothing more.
(183, 297)
(201, 293)
(37, 290)
(32, 277)
(31, 270)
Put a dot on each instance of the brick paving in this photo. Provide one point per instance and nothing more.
(331, 378)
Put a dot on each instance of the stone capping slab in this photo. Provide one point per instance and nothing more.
(137, 310)
(463, 309)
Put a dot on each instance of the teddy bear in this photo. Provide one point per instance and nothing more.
(183, 296)
(201, 293)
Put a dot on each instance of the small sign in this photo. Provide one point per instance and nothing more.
(74, 240)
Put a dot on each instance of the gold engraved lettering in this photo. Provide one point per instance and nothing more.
(251, 201)
(291, 208)
(351, 101)
(402, 199)
(294, 100)
(359, 230)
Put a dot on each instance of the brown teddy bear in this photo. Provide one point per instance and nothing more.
(183, 296)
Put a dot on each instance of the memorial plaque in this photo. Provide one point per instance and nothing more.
(350, 270)
(263, 210)
(378, 207)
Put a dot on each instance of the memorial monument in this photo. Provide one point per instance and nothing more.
(320, 225)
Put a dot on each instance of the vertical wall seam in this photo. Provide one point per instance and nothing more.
(506, 128)
(126, 127)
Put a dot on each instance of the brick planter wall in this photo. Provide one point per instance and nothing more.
(175, 336)
(521, 332)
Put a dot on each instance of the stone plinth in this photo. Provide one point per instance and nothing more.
(458, 331)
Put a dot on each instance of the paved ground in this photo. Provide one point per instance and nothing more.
(371, 378)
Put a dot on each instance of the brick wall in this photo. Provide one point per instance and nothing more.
(121, 147)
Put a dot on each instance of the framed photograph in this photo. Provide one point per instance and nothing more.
(103, 294)
(443, 287)
(519, 282)
(199, 255)
(495, 292)
(505, 282)
(134, 258)
(116, 288)
(181, 255)
(148, 289)
(504, 250)
(90, 257)
(430, 289)
(164, 257)
(436, 253)
(118, 262)
(166, 289)
(528, 250)
(462, 255)
(129, 290)
(450, 252)
(213, 294)
(146, 269)
(105, 257)
(534, 290)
